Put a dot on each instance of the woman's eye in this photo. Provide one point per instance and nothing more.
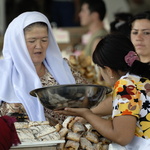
(134, 32)
(31, 41)
(45, 40)
(146, 33)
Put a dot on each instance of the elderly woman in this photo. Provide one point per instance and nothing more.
(32, 59)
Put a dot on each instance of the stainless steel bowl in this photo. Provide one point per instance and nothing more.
(71, 95)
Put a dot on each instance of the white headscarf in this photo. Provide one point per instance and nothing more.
(18, 74)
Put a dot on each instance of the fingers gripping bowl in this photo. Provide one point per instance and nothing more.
(71, 95)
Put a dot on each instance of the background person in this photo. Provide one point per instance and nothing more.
(91, 16)
(140, 35)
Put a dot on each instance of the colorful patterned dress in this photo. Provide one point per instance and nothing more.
(132, 97)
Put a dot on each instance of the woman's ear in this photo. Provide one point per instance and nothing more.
(109, 72)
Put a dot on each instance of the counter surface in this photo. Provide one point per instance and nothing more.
(48, 145)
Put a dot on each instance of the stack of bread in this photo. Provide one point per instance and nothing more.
(85, 66)
(80, 136)
(77, 136)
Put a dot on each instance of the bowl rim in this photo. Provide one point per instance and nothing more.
(32, 93)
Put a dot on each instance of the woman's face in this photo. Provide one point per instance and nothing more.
(106, 76)
(37, 43)
(85, 15)
(140, 37)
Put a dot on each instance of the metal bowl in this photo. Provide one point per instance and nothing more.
(71, 95)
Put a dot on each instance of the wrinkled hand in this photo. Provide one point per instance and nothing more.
(81, 112)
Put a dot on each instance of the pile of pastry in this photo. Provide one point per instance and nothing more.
(80, 136)
(77, 136)
(85, 66)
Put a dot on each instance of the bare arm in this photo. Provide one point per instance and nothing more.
(104, 108)
(119, 130)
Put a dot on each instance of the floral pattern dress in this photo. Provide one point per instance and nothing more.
(132, 97)
(17, 109)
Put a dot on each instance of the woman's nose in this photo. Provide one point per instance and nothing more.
(139, 36)
(38, 44)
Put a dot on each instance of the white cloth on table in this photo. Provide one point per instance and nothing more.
(115, 146)
(137, 143)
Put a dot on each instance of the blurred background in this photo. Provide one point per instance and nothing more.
(64, 18)
(9, 9)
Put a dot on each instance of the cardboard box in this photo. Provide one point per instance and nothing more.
(75, 34)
